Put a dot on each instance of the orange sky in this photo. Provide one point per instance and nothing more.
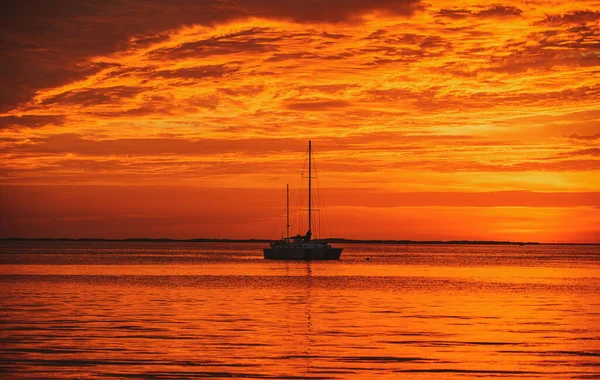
(430, 120)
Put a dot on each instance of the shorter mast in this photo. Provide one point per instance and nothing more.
(309, 189)
(287, 210)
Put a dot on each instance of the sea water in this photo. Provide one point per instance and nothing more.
(218, 310)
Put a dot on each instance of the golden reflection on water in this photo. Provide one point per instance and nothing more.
(258, 319)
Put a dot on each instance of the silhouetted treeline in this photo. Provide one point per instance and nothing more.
(158, 240)
(479, 242)
(330, 240)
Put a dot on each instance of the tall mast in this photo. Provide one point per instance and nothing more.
(287, 211)
(309, 184)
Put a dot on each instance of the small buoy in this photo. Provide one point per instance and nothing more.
(368, 259)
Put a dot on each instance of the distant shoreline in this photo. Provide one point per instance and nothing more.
(331, 240)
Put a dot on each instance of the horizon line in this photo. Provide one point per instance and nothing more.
(261, 240)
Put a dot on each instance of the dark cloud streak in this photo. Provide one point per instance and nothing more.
(317, 105)
(94, 96)
(31, 121)
(575, 17)
(495, 11)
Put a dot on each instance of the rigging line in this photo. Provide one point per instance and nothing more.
(326, 218)
(301, 194)
(304, 193)
(275, 229)
(299, 203)
(294, 206)
(280, 220)
(321, 209)
(319, 198)
(323, 214)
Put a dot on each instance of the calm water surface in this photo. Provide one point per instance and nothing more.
(192, 310)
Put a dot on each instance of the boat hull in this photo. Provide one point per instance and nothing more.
(300, 253)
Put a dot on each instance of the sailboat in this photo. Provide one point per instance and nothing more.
(302, 247)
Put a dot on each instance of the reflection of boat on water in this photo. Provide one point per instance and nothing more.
(302, 247)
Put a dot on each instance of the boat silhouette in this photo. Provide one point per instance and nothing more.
(302, 247)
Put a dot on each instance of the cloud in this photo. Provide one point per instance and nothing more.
(515, 98)
(199, 72)
(379, 198)
(547, 50)
(541, 165)
(573, 17)
(242, 91)
(423, 41)
(332, 11)
(387, 48)
(495, 11)
(31, 121)
(73, 143)
(500, 11)
(455, 13)
(94, 96)
(157, 156)
(330, 88)
(584, 137)
(316, 105)
(247, 41)
(335, 36)
(280, 57)
(582, 152)
(153, 72)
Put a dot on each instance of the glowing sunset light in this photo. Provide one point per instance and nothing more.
(430, 121)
